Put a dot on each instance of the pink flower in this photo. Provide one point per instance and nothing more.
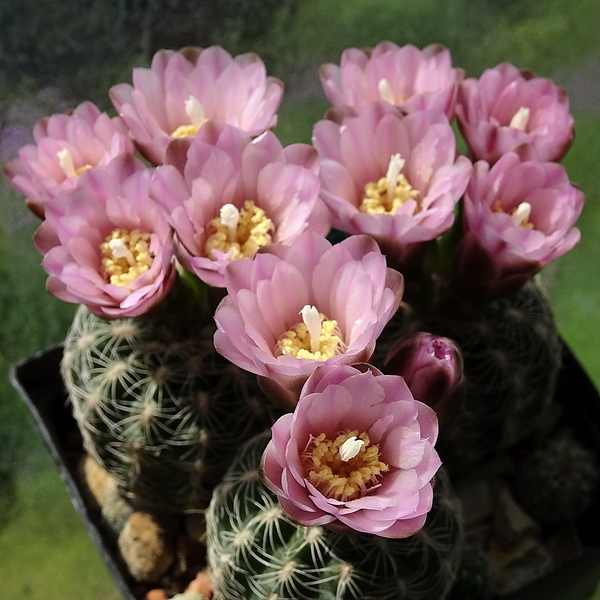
(518, 217)
(66, 145)
(107, 244)
(508, 108)
(407, 77)
(355, 455)
(294, 307)
(395, 177)
(181, 90)
(230, 195)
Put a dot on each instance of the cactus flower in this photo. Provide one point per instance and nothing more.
(66, 145)
(235, 194)
(432, 367)
(106, 244)
(392, 176)
(518, 217)
(507, 108)
(357, 454)
(181, 90)
(296, 306)
(404, 76)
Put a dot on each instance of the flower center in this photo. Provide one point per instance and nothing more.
(65, 160)
(520, 118)
(386, 92)
(388, 194)
(126, 255)
(344, 468)
(195, 113)
(519, 216)
(239, 233)
(316, 337)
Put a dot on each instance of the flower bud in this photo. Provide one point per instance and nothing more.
(432, 367)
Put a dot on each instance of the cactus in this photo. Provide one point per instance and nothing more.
(557, 482)
(255, 552)
(512, 355)
(473, 580)
(157, 407)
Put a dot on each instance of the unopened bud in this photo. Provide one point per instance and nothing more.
(432, 367)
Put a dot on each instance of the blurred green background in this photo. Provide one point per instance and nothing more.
(54, 55)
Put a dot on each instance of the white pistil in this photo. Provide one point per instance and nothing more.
(194, 110)
(65, 160)
(520, 118)
(312, 320)
(385, 91)
(230, 217)
(120, 250)
(394, 168)
(520, 216)
(350, 448)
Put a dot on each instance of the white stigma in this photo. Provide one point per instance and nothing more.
(520, 215)
(230, 217)
(520, 118)
(350, 448)
(394, 168)
(385, 91)
(312, 320)
(120, 250)
(65, 161)
(195, 112)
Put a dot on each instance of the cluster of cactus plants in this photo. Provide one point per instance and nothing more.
(229, 360)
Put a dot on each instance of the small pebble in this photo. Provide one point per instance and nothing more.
(202, 584)
(156, 595)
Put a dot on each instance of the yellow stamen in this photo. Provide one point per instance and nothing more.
(315, 337)
(520, 118)
(391, 192)
(344, 468)
(80, 170)
(239, 232)
(519, 216)
(126, 255)
(195, 113)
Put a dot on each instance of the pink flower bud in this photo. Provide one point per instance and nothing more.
(432, 367)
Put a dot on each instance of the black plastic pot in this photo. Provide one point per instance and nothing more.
(38, 381)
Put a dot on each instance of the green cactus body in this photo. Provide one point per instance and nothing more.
(158, 408)
(256, 553)
(512, 355)
(556, 483)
